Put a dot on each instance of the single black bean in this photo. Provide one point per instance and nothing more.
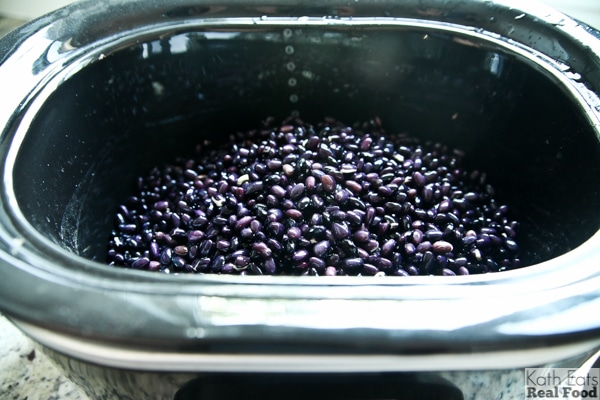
(384, 263)
(300, 255)
(317, 263)
(340, 230)
(297, 191)
(388, 246)
(354, 186)
(354, 218)
(393, 206)
(166, 256)
(441, 247)
(178, 263)
(424, 246)
(269, 266)
(370, 269)
(352, 263)
(419, 179)
(278, 191)
(140, 263)
(262, 249)
(294, 214)
(328, 183)
(321, 248)
(362, 235)
(511, 245)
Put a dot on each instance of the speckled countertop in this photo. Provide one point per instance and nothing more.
(26, 374)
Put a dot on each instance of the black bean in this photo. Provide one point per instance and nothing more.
(223, 244)
(243, 222)
(155, 250)
(361, 235)
(442, 246)
(205, 247)
(352, 263)
(321, 248)
(179, 263)
(354, 186)
(166, 256)
(419, 179)
(371, 245)
(340, 230)
(140, 263)
(357, 203)
(254, 187)
(278, 191)
(388, 246)
(334, 192)
(424, 246)
(384, 263)
(354, 217)
(297, 191)
(370, 269)
(316, 232)
(469, 240)
(328, 183)
(433, 235)
(294, 214)
(427, 262)
(181, 250)
(300, 255)
(393, 206)
(262, 249)
(511, 245)
(269, 266)
(217, 263)
(317, 263)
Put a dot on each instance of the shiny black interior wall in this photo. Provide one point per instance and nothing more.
(146, 104)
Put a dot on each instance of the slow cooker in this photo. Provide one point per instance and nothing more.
(96, 93)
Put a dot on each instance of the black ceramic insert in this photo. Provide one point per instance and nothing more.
(148, 102)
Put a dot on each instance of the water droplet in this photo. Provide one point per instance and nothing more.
(292, 82)
(287, 33)
(294, 98)
(308, 74)
(289, 49)
(290, 66)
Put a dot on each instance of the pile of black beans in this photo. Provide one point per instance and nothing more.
(328, 199)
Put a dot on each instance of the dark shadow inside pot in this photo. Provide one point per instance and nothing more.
(148, 102)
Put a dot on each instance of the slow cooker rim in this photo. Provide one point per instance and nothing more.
(13, 255)
(87, 56)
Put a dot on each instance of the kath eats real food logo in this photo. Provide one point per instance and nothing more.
(561, 383)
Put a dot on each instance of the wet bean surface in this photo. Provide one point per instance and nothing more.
(323, 199)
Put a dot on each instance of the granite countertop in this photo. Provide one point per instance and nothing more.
(26, 374)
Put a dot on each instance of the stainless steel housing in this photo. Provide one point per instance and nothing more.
(87, 86)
